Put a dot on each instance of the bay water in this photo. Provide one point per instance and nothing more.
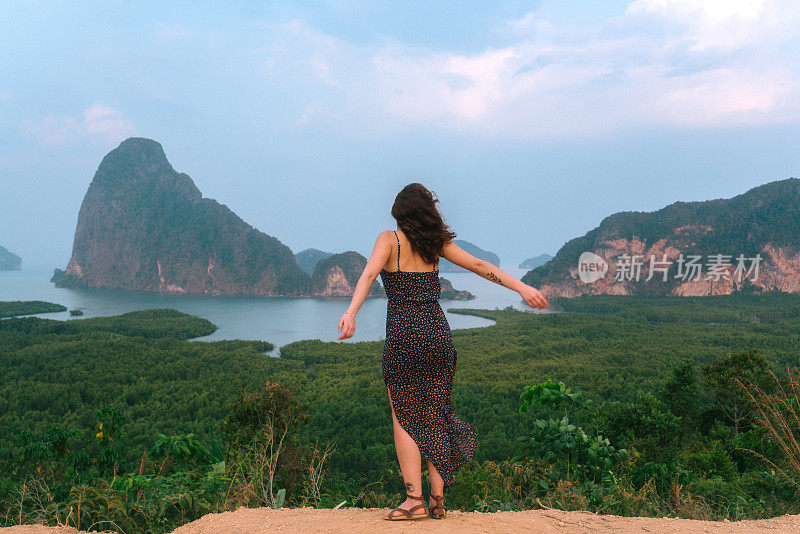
(279, 320)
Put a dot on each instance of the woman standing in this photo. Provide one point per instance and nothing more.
(419, 358)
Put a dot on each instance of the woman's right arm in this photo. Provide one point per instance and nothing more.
(455, 254)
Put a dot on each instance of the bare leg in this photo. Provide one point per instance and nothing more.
(437, 488)
(410, 461)
(437, 483)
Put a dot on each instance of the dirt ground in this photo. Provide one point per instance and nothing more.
(369, 521)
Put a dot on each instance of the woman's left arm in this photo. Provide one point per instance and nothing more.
(378, 258)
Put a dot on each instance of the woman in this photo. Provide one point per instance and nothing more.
(419, 358)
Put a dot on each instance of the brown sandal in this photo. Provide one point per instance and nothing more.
(407, 515)
(438, 511)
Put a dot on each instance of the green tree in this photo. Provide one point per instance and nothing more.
(720, 379)
(110, 455)
(181, 452)
(550, 394)
(681, 393)
(645, 424)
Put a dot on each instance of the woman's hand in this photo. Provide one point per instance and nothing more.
(533, 297)
(347, 326)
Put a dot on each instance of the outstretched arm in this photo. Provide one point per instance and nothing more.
(378, 258)
(460, 257)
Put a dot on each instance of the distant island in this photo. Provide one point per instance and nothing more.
(338, 274)
(746, 243)
(536, 261)
(308, 259)
(9, 261)
(15, 308)
(332, 280)
(491, 257)
(449, 293)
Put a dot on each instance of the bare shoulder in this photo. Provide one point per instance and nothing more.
(384, 238)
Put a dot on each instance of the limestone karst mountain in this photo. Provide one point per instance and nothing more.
(750, 242)
(145, 226)
(9, 261)
(338, 274)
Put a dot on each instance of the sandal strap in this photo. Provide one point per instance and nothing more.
(407, 513)
(402, 510)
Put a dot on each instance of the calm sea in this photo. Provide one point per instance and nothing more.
(279, 320)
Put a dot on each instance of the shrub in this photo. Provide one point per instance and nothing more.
(264, 456)
(498, 485)
(646, 424)
(778, 413)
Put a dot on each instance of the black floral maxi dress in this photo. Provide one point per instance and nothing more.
(419, 361)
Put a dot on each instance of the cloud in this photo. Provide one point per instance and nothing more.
(52, 130)
(717, 23)
(106, 123)
(100, 123)
(661, 63)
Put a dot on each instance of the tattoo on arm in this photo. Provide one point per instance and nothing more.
(494, 278)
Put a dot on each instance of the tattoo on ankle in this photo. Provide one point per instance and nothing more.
(494, 278)
(410, 487)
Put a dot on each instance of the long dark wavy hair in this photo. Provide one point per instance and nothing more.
(416, 214)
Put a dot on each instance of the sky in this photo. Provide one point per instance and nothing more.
(530, 120)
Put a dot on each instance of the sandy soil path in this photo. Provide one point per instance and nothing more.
(363, 521)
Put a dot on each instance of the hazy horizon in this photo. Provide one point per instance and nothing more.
(532, 121)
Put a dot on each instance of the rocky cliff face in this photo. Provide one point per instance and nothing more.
(338, 274)
(9, 261)
(144, 226)
(748, 242)
(491, 257)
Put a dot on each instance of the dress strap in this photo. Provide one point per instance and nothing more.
(398, 249)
